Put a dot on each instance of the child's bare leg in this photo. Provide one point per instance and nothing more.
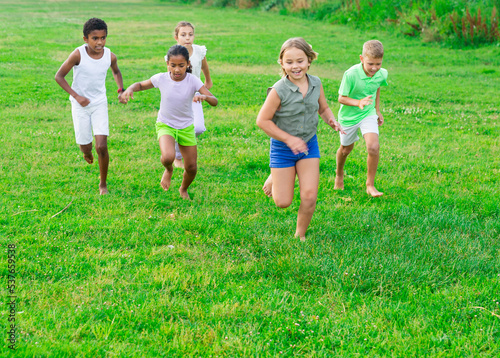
(178, 157)
(178, 163)
(86, 149)
(190, 155)
(268, 186)
(308, 174)
(167, 149)
(283, 183)
(101, 147)
(373, 148)
(342, 154)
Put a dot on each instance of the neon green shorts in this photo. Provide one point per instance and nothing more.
(185, 136)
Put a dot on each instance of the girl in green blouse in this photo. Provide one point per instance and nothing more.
(290, 117)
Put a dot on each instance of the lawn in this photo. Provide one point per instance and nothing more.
(143, 273)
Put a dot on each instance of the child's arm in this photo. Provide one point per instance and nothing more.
(206, 72)
(355, 102)
(264, 121)
(138, 86)
(326, 113)
(377, 108)
(205, 95)
(117, 74)
(71, 61)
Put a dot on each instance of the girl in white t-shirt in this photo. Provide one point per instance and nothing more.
(184, 35)
(179, 89)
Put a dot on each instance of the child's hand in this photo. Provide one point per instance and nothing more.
(297, 145)
(82, 101)
(126, 96)
(380, 118)
(208, 84)
(199, 98)
(365, 102)
(335, 125)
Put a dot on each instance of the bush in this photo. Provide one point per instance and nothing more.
(476, 29)
(459, 22)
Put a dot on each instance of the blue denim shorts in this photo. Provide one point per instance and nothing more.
(283, 157)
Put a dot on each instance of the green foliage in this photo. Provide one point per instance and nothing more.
(474, 30)
(458, 23)
(433, 21)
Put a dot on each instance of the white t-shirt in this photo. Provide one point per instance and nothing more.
(89, 77)
(176, 109)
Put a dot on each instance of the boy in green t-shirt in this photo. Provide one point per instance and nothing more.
(360, 84)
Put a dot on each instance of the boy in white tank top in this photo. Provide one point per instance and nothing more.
(89, 104)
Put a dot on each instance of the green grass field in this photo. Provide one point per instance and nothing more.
(143, 273)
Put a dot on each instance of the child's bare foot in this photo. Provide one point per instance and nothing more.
(89, 158)
(371, 190)
(103, 189)
(184, 194)
(339, 182)
(178, 163)
(302, 238)
(268, 186)
(166, 179)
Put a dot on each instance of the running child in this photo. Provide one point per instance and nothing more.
(178, 88)
(184, 35)
(290, 117)
(359, 95)
(89, 104)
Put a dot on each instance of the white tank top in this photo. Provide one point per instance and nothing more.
(196, 58)
(89, 77)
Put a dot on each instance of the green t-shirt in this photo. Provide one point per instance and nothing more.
(357, 85)
(298, 115)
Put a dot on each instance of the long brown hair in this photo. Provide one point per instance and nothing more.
(182, 24)
(298, 43)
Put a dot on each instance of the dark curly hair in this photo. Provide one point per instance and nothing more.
(94, 24)
(179, 50)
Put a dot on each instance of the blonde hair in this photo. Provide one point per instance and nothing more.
(298, 43)
(182, 24)
(373, 49)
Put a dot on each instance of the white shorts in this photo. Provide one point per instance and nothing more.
(367, 125)
(199, 119)
(199, 125)
(89, 119)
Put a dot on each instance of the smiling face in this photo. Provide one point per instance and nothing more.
(370, 65)
(185, 36)
(96, 41)
(295, 63)
(177, 66)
